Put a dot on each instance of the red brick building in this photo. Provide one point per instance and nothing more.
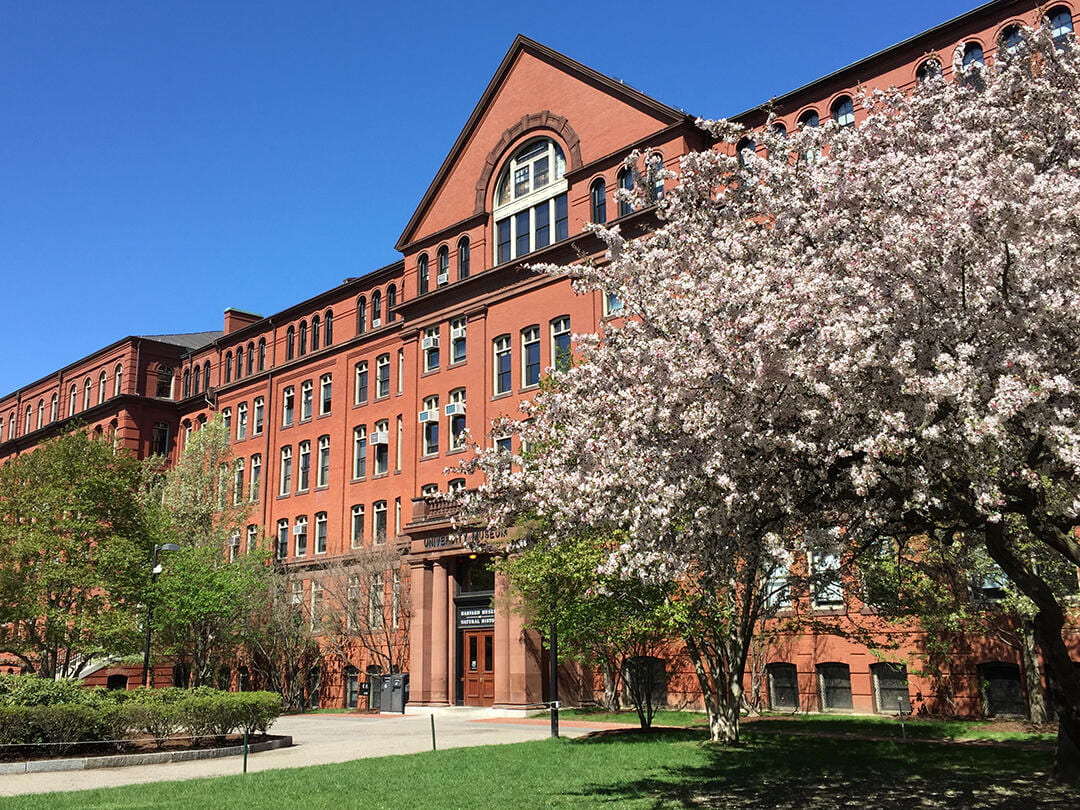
(346, 408)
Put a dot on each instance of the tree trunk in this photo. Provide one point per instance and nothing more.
(1040, 710)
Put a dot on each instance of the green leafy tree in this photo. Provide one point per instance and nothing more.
(602, 620)
(73, 550)
(206, 596)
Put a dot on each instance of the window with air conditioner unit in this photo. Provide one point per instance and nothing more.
(430, 347)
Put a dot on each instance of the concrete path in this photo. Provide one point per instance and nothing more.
(318, 739)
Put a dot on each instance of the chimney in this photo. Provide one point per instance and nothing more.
(238, 319)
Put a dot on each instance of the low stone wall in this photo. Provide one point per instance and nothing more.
(126, 760)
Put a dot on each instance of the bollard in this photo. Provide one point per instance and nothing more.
(245, 749)
(432, 731)
(900, 708)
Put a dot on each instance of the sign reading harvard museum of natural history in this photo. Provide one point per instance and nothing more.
(476, 617)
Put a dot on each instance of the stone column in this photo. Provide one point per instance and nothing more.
(419, 631)
(503, 644)
(440, 625)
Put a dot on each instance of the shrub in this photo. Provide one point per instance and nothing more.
(157, 720)
(30, 690)
(63, 726)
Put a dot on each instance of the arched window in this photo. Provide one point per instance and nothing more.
(361, 315)
(843, 111)
(290, 343)
(316, 332)
(422, 273)
(779, 130)
(40, 414)
(303, 338)
(625, 180)
(463, 258)
(86, 394)
(250, 358)
(239, 362)
(972, 62)
(262, 354)
(744, 150)
(1010, 40)
(376, 309)
(442, 259)
(102, 383)
(391, 302)
(54, 407)
(530, 200)
(228, 367)
(196, 378)
(73, 394)
(809, 119)
(1060, 21)
(598, 201)
(206, 374)
(27, 423)
(187, 383)
(654, 167)
(328, 328)
(928, 69)
(118, 380)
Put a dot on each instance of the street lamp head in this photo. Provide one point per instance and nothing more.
(169, 547)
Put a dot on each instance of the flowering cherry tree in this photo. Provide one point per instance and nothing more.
(852, 332)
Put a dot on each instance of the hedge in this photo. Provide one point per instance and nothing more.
(35, 711)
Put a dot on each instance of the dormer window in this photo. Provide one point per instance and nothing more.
(530, 200)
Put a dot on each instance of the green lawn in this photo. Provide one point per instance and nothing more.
(672, 768)
(857, 725)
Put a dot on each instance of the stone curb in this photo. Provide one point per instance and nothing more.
(126, 760)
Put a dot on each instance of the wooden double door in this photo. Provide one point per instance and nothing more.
(478, 665)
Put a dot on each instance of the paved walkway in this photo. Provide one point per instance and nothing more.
(318, 739)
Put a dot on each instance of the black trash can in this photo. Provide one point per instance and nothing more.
(395, 692)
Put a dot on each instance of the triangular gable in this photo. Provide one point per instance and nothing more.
(641, 112)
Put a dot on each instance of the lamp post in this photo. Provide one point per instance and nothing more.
(155, 569)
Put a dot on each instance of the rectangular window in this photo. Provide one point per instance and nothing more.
(359, 459)
(241, 421)
(400, 370)
(382, 376)
(320, 533)
(288, 397)
(257, 417)
(375, 602)
(521, 227)
(542, 217)
(560, 343)
(226, 419)
(502, 365)
(286, 471)
(322, 475)
(561, 219)
(303, 470)
(282, 539)
(361, 375)
(382, 447)
(356, 535)
(326, 394)
(503, 228)
(159, 439)
(530, 356)
(379, 522)
(316, 603)
(827, 590)
(238, 481)
(457, 340)
(256, 476)
(300, 533)
(430, 346)
(252, 537)
(307, 391)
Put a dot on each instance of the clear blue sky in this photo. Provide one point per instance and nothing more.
(161, 161)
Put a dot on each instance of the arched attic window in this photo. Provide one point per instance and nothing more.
(625, 180)
(196, 380)
(328, 328)
(1060, 21)
(928, 69)
(290, 343)
(972, 62)
(187, 383)
(422, 271)
(361, 315)
(598, 201)
(1010, 40)
(250, 358)
(843, 111)
(744, 149)
(442, 259)
(316, 332)
(239, 362)
(463, 257)
(303, 338)
(262, 354)
(228, 367)
(391, 302)
(530, 200)
(376, 309)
